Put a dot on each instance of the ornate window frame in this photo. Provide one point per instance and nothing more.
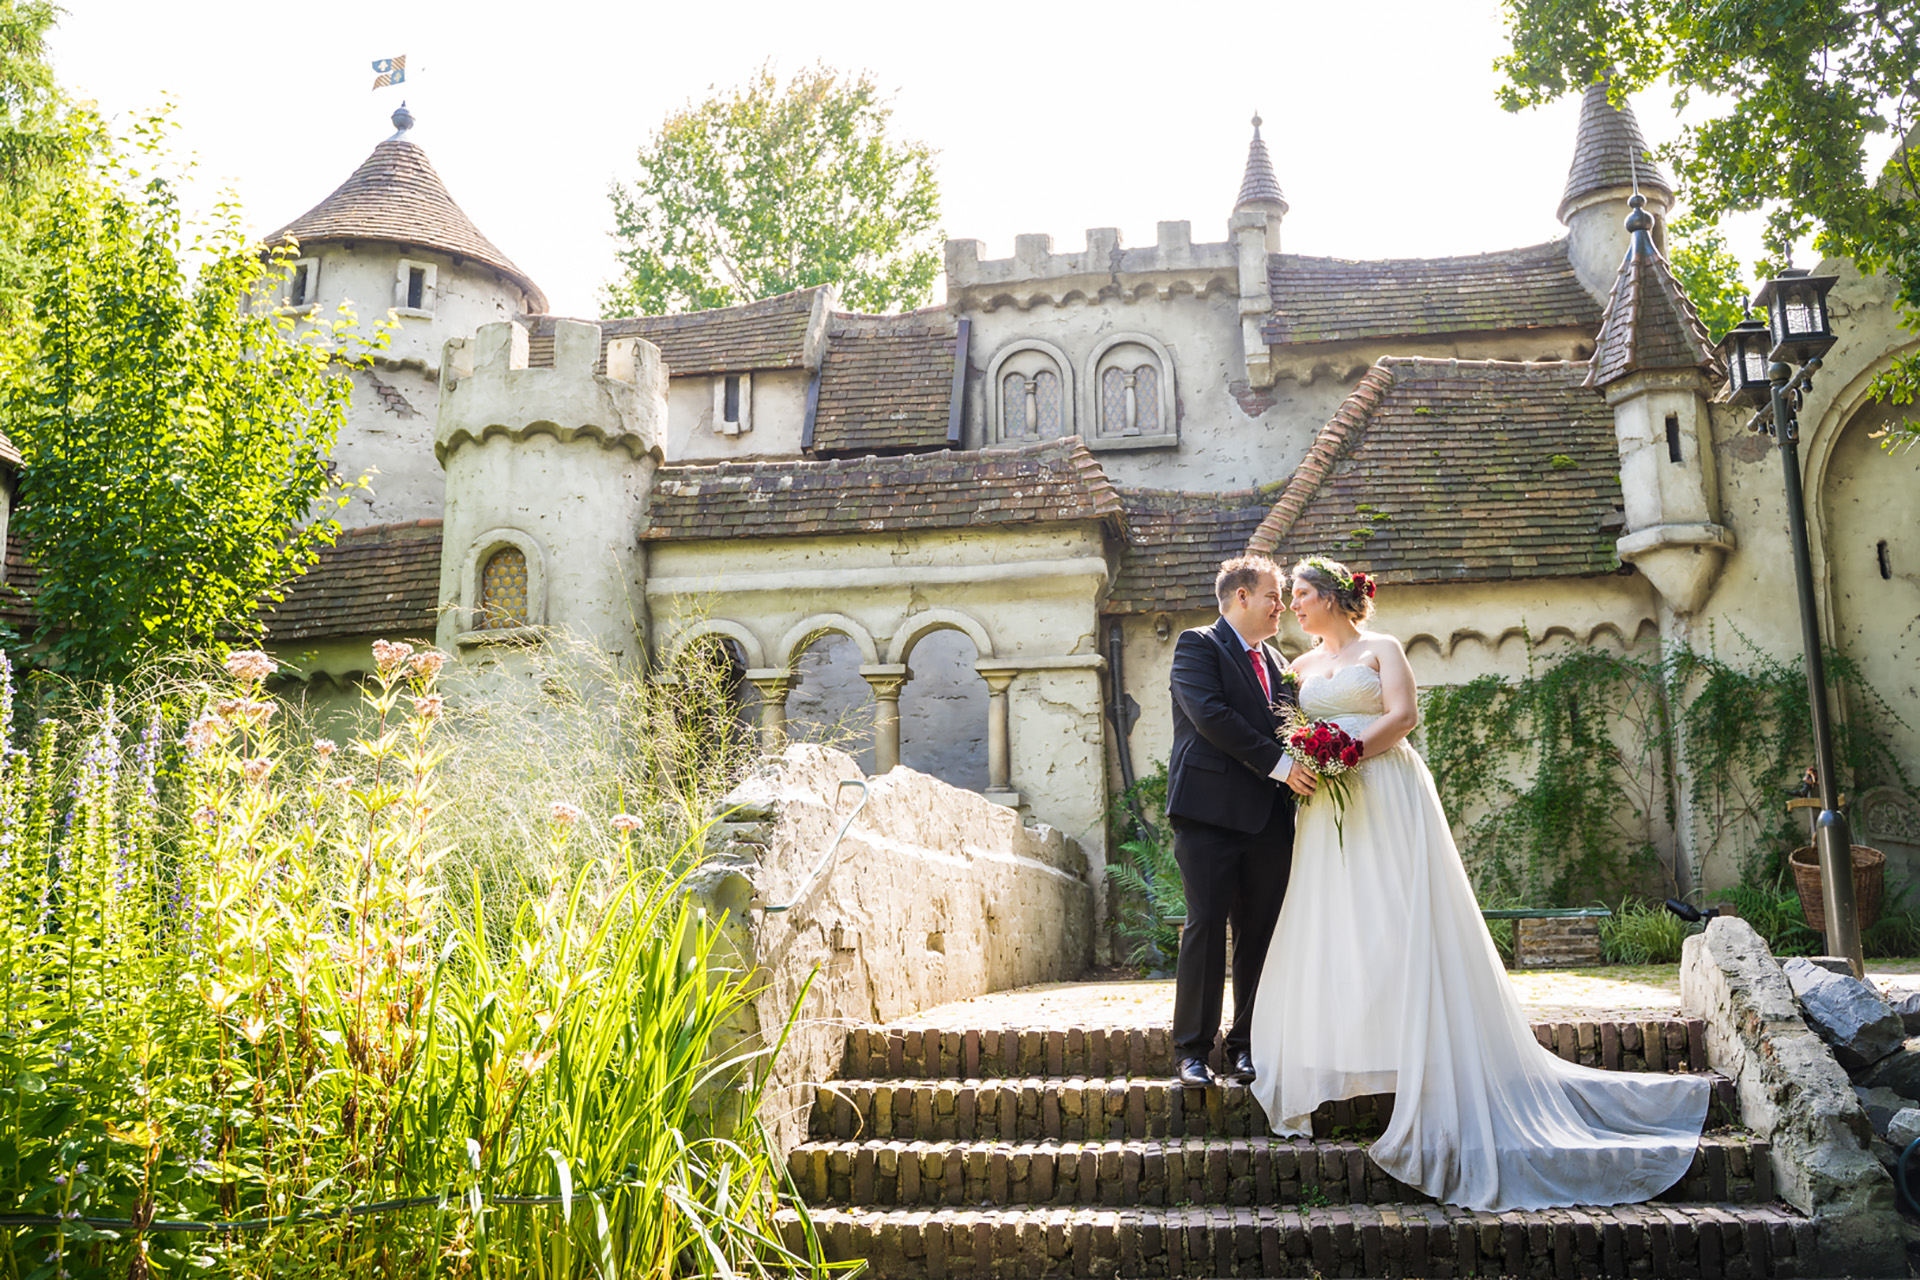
(471, 632)
(1161, 435)
(996, 404)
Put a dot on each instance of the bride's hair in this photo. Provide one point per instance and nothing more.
(1353, 592)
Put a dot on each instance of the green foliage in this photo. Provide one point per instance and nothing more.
(1643, 932)
(176, 435)
(1150, 898)
(1800, 89)
(1559, 781)
(235, 990)
(768, 188)
(1708, 272)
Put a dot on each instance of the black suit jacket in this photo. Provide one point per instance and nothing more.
(1224, 743)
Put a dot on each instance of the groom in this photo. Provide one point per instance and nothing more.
(1232, 816)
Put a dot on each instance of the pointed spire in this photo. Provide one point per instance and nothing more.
(1609, 154)
(395, 197)
(1259, 187)
(1649, 323)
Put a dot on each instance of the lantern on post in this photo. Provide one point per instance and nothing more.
(1745, 351)
(1796, 304)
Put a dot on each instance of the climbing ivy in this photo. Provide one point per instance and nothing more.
(1563, 784)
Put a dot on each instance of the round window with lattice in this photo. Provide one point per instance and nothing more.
(503, 590)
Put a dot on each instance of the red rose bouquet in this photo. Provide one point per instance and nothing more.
(1330, 753)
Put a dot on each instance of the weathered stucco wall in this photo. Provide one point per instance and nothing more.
(389, 427)
(779, 408)
(936, 894)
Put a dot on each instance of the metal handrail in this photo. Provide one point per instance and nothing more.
(826, 859)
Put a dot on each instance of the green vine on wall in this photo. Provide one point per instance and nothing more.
(1563, 785)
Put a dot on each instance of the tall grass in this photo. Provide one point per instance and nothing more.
(255, 979)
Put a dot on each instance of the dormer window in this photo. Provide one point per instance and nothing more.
(732, 404)
(414, 287)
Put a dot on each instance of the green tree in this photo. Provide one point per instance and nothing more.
(175, 433)
(1708, 271)
(1799, 91)
(768, 188)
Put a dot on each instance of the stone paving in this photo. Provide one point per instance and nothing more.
(1614, 991)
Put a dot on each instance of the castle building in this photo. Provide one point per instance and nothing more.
(973, 531)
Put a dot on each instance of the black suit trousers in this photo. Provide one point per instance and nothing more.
(1232, 878)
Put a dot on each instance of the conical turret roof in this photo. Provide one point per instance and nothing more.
(1259, 183)
(395, 197)
(1649, 322)
(1609, 152)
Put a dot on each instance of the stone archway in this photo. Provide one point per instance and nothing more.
(831, 701)
(1872, 546)
(943, 710)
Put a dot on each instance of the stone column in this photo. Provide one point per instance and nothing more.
(886, 679)
(999, 737)
(773, 683)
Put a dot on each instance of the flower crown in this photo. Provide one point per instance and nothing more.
(1362, 582)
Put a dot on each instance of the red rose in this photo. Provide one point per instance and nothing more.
(1351, 756)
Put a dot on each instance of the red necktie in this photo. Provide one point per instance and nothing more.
(1260, 673)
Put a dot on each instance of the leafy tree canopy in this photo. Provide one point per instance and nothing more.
(768, 188)
(175, 431)
(1801, 89)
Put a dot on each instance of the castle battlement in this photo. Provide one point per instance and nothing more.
(487, 389)
(1035, 274)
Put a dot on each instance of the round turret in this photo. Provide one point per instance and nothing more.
(1610, 165)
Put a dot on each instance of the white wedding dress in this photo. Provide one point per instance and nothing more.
(1382, 979)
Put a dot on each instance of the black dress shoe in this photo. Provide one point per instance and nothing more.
(1194, 1073)
(1240, 1069)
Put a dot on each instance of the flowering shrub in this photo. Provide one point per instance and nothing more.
(235, 994)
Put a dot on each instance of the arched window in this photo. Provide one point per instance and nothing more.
(1130, 378)
(503, 590)
(1030, 394)
(830, 701)
(943, 711)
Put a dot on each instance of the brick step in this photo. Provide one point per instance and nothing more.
(1076, 1109)
(1219, 1171)
(1670, 1044)
(1651, 1240)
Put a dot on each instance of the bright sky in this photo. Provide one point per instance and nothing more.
(1048, 116)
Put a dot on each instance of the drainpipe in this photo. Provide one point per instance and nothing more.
(1117, 713)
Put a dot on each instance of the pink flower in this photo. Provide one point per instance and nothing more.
(324, 747)
(564, 814)
(257, 769)
(203, 733)
(428, 708)
(248, 711)
(389, 655)
(625, 822)
(250, 665)
(428, 663)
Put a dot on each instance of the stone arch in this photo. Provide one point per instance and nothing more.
(830, 700)
(804, 633)
(751, 650)
(930, 620)
(995, 403)
(480, 552)
(944, 705)
(1163, 424)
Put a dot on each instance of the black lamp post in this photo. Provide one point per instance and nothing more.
(1760, 373)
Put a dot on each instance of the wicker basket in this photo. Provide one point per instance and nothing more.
(1869, 878)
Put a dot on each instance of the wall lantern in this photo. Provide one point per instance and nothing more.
(1745, 351)
(1797, 314)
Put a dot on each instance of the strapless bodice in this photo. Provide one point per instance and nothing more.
(1350, 691)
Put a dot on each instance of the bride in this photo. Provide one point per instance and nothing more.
(1382, 978)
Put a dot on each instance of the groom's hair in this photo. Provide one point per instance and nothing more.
(1241, 571)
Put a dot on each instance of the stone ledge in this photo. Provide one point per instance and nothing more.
(1794, 1093)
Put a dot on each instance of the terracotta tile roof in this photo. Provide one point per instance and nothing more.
(9, 455)
(396, 197)
(1334, 300)
(768, 334)
(887, 384)
(379, 580)
(1259, 181)
(1458, 471)
(1609, 152)
(1055, 482)
(22, 585)
(1649, 322)
(1176, 542)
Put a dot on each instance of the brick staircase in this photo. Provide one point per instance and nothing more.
(1014, 1153)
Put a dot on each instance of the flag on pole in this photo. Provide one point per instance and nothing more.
(389, 71)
